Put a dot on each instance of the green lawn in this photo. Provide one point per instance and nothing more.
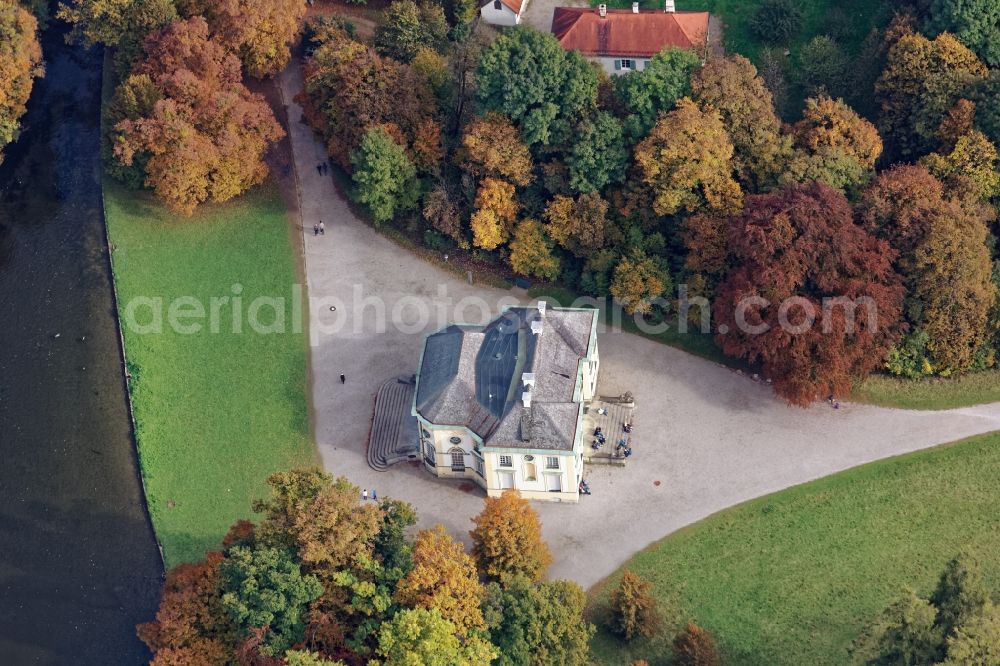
(934, 393)
(216, 412)
(793, 578)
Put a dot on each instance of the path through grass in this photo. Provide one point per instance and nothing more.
(216, 412)
(793, 578)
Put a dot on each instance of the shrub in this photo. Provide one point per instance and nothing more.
(633, 608)
(695, 647)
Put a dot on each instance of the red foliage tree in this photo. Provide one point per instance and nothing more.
(793, 250)
(191, 625)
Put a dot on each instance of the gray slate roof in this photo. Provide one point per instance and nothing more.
(471, 376)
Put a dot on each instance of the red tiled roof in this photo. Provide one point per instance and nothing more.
(625, 33)
(512, 5)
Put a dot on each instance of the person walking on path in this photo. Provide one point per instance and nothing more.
(364, 494)
(322, 228)
(319, 169)
(315, 230)
(374, 495)
(343, 379)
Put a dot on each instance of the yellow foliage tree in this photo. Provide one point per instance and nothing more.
(829, 124)
(578, 225)
(531, 251)
(637, 281)
(633, 608)
(492, 148)
(496, 210)
(443, 577)
(974, 160)
(686, 161)
(507, 538)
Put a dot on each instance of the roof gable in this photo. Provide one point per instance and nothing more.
(627, 33)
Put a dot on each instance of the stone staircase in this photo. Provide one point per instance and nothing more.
(393, 437)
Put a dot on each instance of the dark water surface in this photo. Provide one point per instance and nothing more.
(79, 565)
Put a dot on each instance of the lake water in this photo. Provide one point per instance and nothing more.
(79, 566)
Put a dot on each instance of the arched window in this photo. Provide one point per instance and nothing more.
(457, 460)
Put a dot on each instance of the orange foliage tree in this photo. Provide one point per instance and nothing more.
(443, 577)
(206, 135)
(260, 32)
(507, 538)
(695, 647)
(632, 608)
(20, 63)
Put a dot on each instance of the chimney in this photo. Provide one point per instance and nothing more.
(602, 9)
(526, 396)
(536, 327)
(669, 7)
(541, 307)
(635, 7)
(528, 379)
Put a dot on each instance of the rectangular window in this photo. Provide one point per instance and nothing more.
(429, 454)
(479, 466)
(506, 461)
(645, 64)
(626, 64)
(496, 4)
(552, 462)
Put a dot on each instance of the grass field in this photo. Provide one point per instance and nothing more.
(973, 389)
(793, 578)
(216, 412)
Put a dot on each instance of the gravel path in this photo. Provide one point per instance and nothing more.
(706, 438)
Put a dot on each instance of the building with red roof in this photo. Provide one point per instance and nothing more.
(623, 40)
(502, 12)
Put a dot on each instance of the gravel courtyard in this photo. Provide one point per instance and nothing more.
(705, 439)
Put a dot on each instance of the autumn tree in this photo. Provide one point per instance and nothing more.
(945, 261)
(306, 658)
(20, 64)
(959, 121)
(578, 224)
(492, 148)
(444, 578)
(632, 608)
(975, 22)
(598, 157)
(123, 24)
(732, 87)
(537, 624)
(695, 647)
(921, 81)
(391, 543)
(265, 588)
(405, 27)
(811, 296)
(531, 251)
(834, 144)
(638, 281)
(441, 211)
(971, 165)
(421, 636)
(350, 89)
(259, 32)
(656, 89)
(686, 161)
(527, 76)
(507, 538)
(191, 625)
(205, 137)
(496, 211)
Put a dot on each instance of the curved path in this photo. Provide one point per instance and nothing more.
(706, 438)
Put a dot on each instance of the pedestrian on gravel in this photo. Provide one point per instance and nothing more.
(364, 494)
(322, 228)
(315, 230)
(343, 379)
(319, 169)
(374, 495)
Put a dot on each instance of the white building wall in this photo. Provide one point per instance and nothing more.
(614, 66)
(502, 16)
